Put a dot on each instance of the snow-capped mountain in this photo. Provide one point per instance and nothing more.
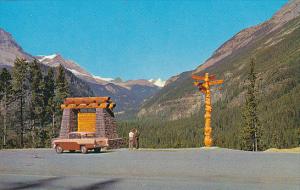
(158, 82)
(55, 60)
(10, 50)
(128, 95)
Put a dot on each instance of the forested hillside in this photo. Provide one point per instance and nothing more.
(177, 110)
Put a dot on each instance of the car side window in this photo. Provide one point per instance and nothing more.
(71, 136)
(74, 136)
(88, 135)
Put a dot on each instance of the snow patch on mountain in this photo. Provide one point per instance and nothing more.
(44, 57)
(102, 78)
(75, 72)
(158, 82)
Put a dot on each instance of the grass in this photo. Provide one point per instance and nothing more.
(288, 150)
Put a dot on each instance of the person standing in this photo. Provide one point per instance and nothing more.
(136, 139)
(131, 139)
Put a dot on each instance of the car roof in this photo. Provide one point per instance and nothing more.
(76, 132)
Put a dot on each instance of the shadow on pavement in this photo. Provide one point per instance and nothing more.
(100, 185)
(46, 184)
(90, 152)
(31, 184)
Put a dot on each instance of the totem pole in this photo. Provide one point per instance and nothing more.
(204, 83)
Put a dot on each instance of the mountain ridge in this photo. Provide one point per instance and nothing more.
(288, 12)
(175, 96)
(55, 60)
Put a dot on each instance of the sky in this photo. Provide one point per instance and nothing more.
(131, 39)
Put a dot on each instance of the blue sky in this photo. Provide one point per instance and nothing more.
(131, 39)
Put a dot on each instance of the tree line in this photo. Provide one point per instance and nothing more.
(30, 98)
(31, 95)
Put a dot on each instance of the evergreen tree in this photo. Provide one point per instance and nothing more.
(37, 108)
(61, 92)
(251, 132)
(61, 84)
(5, 95)
(49, 93)
(20, 88)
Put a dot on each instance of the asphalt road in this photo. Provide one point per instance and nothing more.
(149, 169)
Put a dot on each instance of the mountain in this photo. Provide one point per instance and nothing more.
(10, 50)
(252, 34)
(179, 98)
(127, 94)
(56, 59)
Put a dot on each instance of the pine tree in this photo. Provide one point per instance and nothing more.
(49, 94)
(37, 108)
(61, 84)
(251, 132)
(61, 92)
(20, 88)
(5, 95)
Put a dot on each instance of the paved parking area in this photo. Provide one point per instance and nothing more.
(149, 169)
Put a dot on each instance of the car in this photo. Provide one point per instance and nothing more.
(79, 141)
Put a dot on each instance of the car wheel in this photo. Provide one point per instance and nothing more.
(97, 150)
(58, 149)
(83, 149)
